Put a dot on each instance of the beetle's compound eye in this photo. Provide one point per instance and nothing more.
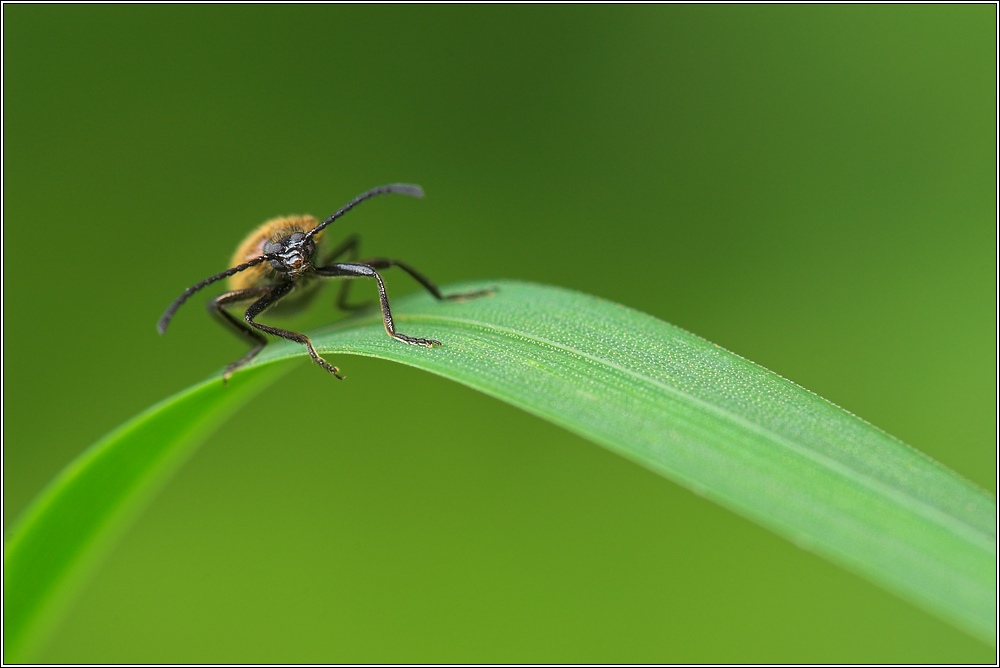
(276, 248)
(298, 236)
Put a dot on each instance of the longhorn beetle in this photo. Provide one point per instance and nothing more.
(277, 261)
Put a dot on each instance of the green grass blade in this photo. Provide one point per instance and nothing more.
(664, 398)
(71, 524)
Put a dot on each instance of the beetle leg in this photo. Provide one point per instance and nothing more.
(350, 248)
(255, 338)
(274, 293)
(385, 263)
(348, 270)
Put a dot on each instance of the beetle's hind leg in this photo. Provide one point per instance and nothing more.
(273, 294)
(252, 336)
(385, 263)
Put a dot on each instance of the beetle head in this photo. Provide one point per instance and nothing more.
(291, 255)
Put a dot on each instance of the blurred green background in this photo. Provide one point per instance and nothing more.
(811, 187)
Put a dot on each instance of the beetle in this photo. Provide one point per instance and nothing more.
(277, 262)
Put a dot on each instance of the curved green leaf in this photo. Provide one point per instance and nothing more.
(74, 520)
(662, 397)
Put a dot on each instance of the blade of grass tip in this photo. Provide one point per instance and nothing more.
(69, 527)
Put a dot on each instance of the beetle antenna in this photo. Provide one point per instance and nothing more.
(161, 326)
(397, 188)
